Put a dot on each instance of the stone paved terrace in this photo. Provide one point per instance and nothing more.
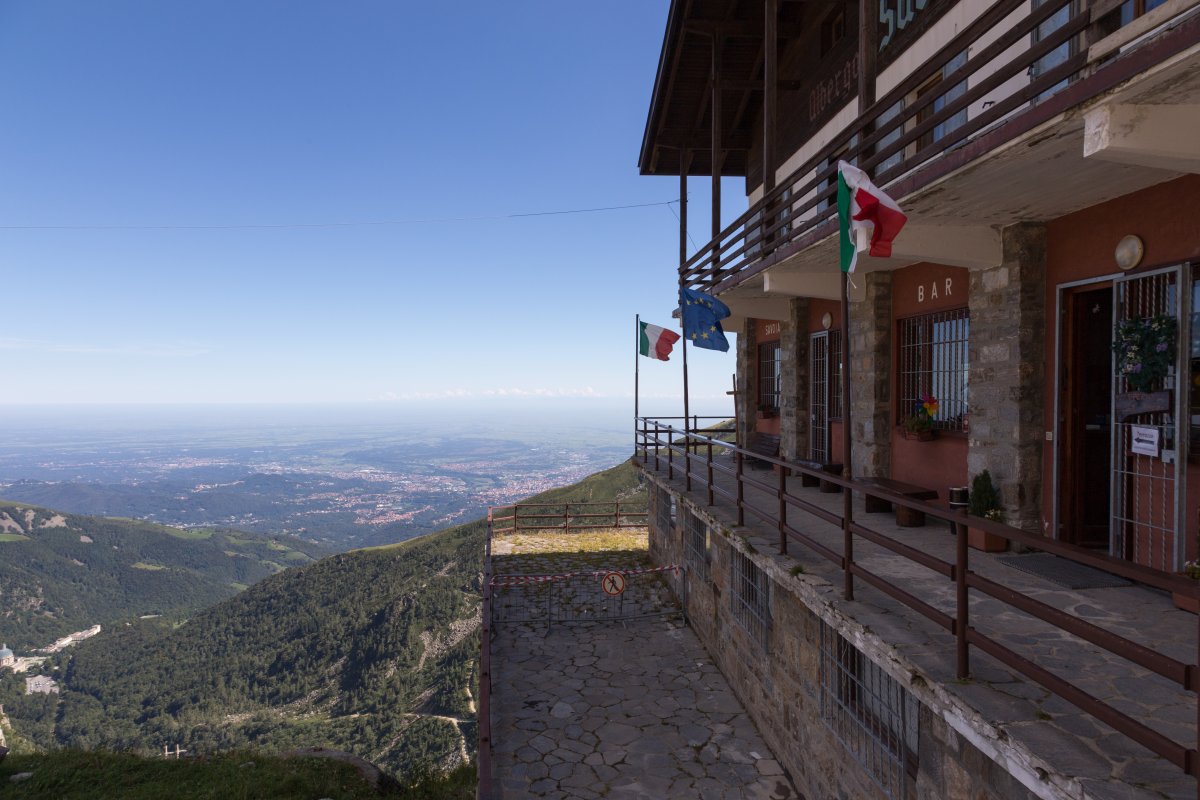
(616, 709)
(1085, 757)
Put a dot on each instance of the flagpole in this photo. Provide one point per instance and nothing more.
(685, 392)
(637, 372)
(684, 163)
(847, 471)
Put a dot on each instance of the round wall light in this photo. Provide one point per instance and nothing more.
(1129, 252)
(826, 320)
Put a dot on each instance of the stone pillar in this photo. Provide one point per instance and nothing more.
(870, 367)
(793, 402)
(747, 371)
(1007, 374)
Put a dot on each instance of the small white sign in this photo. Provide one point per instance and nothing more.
(1145, 440)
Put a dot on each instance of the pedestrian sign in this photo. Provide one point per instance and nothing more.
(613, 583)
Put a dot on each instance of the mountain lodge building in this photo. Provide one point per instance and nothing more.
(1044, 292)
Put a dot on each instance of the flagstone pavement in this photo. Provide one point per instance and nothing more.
(624, 711)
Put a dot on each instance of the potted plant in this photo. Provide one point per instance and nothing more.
(985, 502)
(1145, 351)
(919, 426)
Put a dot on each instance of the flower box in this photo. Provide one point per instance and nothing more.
(919, 436)
(987, 542)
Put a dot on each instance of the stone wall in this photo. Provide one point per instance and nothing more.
(1007, 354)
(779, 684)
(793, 402)
(871, 370)
(747, 370)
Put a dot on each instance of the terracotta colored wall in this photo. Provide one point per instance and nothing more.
(941, 463)
(925, 288)
(1080, 246)
(818, 309)
(766, 331)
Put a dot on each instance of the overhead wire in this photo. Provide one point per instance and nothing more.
(349, 224)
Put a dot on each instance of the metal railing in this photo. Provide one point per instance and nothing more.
(673, 450)
(915, 137)
(568, 517)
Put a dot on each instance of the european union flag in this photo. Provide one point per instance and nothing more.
(702, 317)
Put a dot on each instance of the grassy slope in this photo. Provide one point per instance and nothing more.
(365, 651)
(75, 775)
(67, 572)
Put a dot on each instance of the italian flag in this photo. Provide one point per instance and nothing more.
(861, 206)
(656, 342)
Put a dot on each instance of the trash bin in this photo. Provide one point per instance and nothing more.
(960, 498)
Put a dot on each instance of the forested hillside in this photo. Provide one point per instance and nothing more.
(61, 573)
(373, 651)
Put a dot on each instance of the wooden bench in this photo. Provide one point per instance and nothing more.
(763, 444)
(905, 517)
(812, 480)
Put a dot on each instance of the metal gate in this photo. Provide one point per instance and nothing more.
(1147, 453)
(818, 438)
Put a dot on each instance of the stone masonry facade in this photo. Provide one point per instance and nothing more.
(779, 681)
(747, 358)
(871, 368)
(793, 412)
(1007, 362)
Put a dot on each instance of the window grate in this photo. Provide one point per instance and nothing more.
(663, 501)
(818, 440)
(696, 542)
(770, 361)
(750, 597)
(933, 360)
(869, 712)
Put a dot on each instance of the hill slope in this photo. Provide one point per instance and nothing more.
(372, 651)
(64, 572)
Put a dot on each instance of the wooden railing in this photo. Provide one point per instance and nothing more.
(905, 138)
(702, 459)
(567, 517)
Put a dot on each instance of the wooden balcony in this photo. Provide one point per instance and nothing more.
(991, 139)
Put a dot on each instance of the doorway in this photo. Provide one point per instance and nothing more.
(1085, 415)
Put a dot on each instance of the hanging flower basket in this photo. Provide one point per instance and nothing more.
(1145, 350)
(920, 425)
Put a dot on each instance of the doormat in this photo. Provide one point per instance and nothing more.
(1067, 574)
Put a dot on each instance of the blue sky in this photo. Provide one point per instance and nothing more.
(124, 114)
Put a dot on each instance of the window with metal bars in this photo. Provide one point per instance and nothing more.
(696, 543)
(750, 597)
(870, 713)
(770, 363)
(664, 508)
(933, 361)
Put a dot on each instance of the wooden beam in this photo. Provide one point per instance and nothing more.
(770, 86)
(868, 47)
(717, 154)
(739, 29)
(743, 106)
(676, 138)
(754, 85)
(685, 162)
